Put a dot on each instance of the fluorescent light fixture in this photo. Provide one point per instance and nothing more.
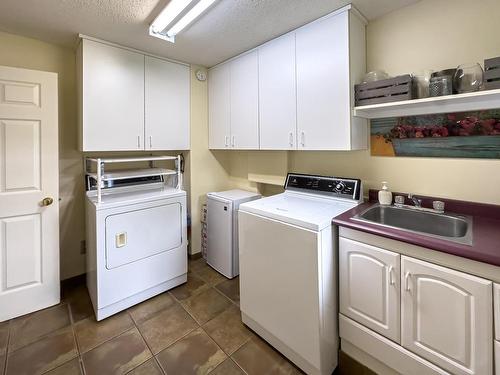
(167, 15)
(189, 17)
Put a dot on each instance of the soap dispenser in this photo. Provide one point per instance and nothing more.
(384, 195)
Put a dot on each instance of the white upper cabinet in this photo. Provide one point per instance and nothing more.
(370, 287)
(219, 110)
(277, 99)
(295, 92)
(325, 65)
(166, 105)
(233, 104)
(446, 317)
(129, 101)
(245, 101)
(112, 101)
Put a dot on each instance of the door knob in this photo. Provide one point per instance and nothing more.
(47, 201)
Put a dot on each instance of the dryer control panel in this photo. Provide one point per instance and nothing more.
(341, 187)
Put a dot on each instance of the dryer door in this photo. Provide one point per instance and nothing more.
(135, 235)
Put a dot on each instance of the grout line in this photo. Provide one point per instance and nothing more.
(7, 348)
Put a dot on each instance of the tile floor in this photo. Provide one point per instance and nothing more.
(192, 329)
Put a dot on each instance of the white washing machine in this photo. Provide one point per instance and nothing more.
(288, 267)
(136, 242)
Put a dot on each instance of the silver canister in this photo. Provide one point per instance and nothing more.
(439, 86)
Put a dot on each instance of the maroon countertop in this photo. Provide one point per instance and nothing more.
(485, 228)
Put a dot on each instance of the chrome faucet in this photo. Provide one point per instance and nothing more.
(417, 202)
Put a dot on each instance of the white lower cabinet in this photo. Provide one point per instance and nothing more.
(370, 290)
(497, 357)
(446, 317)
(496, 297)
(434, 316)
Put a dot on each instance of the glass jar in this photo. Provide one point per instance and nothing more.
(468, 78)
(439, 86)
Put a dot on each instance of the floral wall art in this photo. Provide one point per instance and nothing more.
(455, 135)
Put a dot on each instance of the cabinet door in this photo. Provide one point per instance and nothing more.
(245, 102)
(496, 296)
(277, 99)
(446, 317)
(370, 287)
(323, 100)
(166, 105)
(219, 101)
(112, 99)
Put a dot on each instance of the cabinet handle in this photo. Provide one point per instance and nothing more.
(407, 284)
(302, 139)
(138, 141)
(290, 139)
(391, 278)
(150, 142)
(226, 141)
(233, 140)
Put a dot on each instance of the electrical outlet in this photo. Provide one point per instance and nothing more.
(83, 247)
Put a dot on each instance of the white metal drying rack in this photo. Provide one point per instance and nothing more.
(100, 176)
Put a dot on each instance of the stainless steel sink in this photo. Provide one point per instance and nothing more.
(444, 226)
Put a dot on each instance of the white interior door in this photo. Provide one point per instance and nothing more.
(369, 287)
(446, 317)
(29, 230)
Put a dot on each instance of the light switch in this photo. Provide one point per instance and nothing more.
(121, 239)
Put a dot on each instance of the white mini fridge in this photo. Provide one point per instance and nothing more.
(222, 229)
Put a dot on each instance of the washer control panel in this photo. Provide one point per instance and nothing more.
(325, 185)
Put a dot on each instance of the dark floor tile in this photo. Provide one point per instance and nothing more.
(30, 328)
(79, 301)
(228, 367)
(69, 368)
(2, 363)
(206, 305)
(196, 354)
(227, 330)
(118, 355)
(349, 366)
(193, 286)
(257, 357)
(147, 309)
(231, 289)
(149, 367)
(197, 264)
(90, 333)
(43, 355)
(210, 276)
(166, 327)
(4, 337)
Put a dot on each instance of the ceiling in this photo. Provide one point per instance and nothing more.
(228, 28)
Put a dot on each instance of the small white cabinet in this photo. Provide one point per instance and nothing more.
(446, 317)
(129, 101)
(112, 98)
(219, 106)
(370, 287)
(166, 105)
(277, 100)
(294, 92)
(496, 296)
(245, 102)
(233, 104)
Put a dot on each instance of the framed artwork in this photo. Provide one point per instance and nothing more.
(455, 135)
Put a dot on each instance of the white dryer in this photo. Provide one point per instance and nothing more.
(288, 267)
(136, 242)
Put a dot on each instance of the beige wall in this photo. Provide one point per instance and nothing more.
(432, 34)
(33, 54)
(209, 170)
